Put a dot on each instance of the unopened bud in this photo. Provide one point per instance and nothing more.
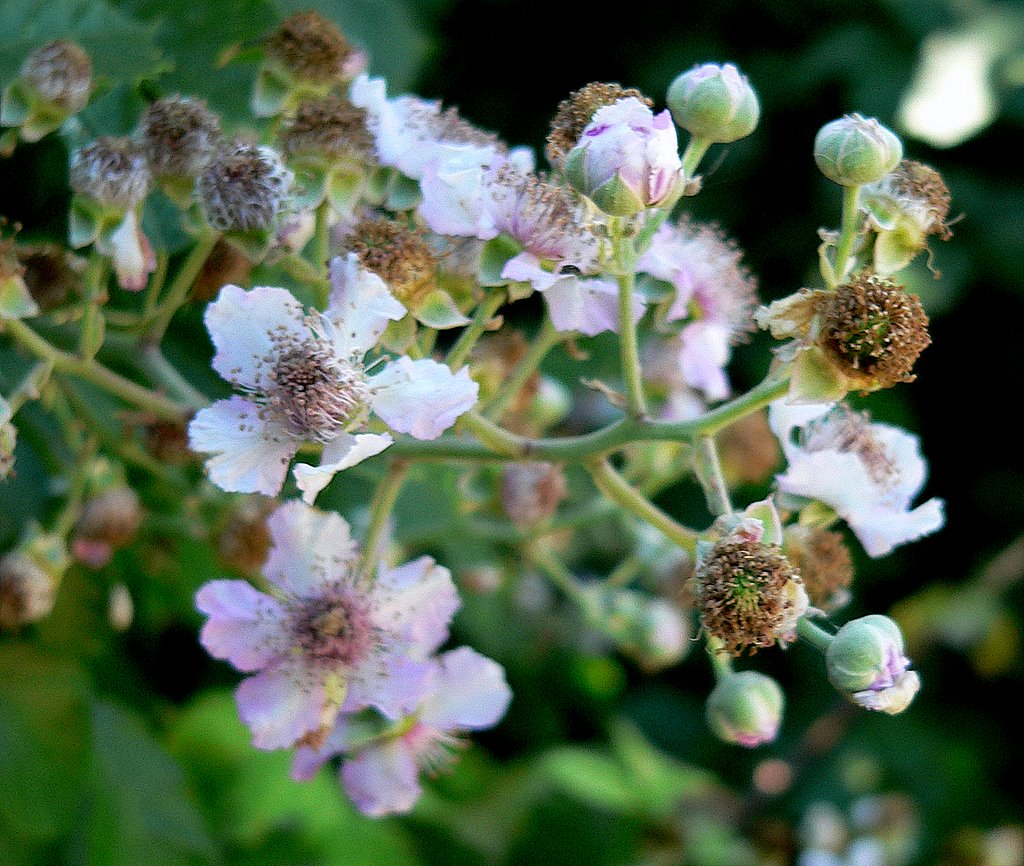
(179, 134)
(244, 188)
(866, 662)
(714, 103)
(532, 492)
(855, 150)
(575, 113)
(627, 159)
(745, 708)
(650, 630)
(111, 172)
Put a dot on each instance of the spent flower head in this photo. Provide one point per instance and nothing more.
(244, 188)
(55, 83)
(179, 134)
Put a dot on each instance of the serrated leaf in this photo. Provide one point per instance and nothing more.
(120, 47)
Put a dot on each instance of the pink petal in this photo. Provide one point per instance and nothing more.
(310, 548)
(418, 601)
(382, 779)
(244, 626)
(280, 705)
(422, 398)
(471, 692)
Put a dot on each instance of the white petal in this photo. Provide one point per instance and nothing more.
(382, 779)
(245, 327)
(343, 451)
(417, 601)
(395, 686)
(455, 195)
(589, 306)
(422, 398)
(131, 253)
(245, 625)
(705, 352)
(359, 309)
(310, 548)
(471, 692)
(280, 705)
(882, 529)
(249, 454)
(838, 479)
(526, 268)
(904, 449)
(785, 417)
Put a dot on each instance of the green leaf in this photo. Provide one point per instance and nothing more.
(438, 310)
(595, 778)
(120, 47)
(493, 258)
(15, 300)
(43, 736)
(140, 809)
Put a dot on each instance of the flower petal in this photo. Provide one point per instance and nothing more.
(881, 530)
(418, 601)
(246, 328)
(395, 687)
(705, 353)
(471, 692)
(589, 306)
(343, 451)
(280, 705)
(422, 398)
(244, 626)
(382, 779)
(309, 548)
(250, 455)
(455, 191)
(359, 308)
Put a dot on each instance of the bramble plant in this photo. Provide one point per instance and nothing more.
(354, 252)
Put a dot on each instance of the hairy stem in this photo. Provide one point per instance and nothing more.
(544, 341)
(384, 499)
(177, 292)
(814, 634)
(848, 233)
(485, 311)
(629, 346)
(709, 471)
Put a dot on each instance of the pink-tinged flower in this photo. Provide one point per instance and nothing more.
(304, 379)
(627, 158)
(467, 692)
(868, 473)
(325, 640)
(866, 662)
(663, 373)
(712, 290)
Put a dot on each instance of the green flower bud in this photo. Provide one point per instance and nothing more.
(865, 661)
(746, 709)
(855, 150)
(715, 103)
(652, 632)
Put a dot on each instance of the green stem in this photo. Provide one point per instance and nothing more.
(709, 471)
(322, 245)
(813, 634)
(94, 296)
(544, 341)
(848, 232)
(494, 438)
(721, 661)
(178, 291)
(156, 284)
(94, 372)
(614, 486)
(624, 573)
(383, 503)
(625, 261)
(160, 370)
(558, 574)
(694, 153)
(485, 311)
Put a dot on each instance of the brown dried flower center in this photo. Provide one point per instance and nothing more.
(310, 46)
(398, 255)
(336, 628)
(576, 112)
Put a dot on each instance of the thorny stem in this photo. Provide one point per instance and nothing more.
(474, 330)
(545, 340)
(813, 634)
(178, 291)
(384, 499)
(94, 372)
(709, 472)
(615, 487)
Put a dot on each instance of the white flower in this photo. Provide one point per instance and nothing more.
(868, 473)
(304, 379)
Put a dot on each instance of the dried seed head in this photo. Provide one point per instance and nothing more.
(532, 492)
(244, 188)
(51, 273)
(874, 330)
(824, 563)
(745, 594)
(60, 72)
(111, 171)
(397, 254)
(922, 189)
(178, 136)
(749, 450)
(575, 113)
(331, 127)
(27, 591)
(311, 48)
(244, 542)
(113, 517)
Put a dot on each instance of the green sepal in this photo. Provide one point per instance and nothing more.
(817, 514)
(15, 300)
(894, 250)
(16, 104)
(375, 191)
(254, 244)
(401, 193)
(86, 220)
(310, 186)
(438, 310)
(269, 94)
(495, 254)
(814, 379)
(766, 512)
(518, 291)
(344, 189)
(398, 336)
(617, 198)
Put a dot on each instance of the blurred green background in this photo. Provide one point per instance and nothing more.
(124, 748)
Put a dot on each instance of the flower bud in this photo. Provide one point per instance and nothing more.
(244, 188)
(179, 134)
(108, 522)
(865, 662)
(532, 492)
(55, 83)
(714, 103)
(746, 709)
(111, 172)
(29, 576)
(855, 150)
(650, 630)
(627, 159)
(575, 113)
